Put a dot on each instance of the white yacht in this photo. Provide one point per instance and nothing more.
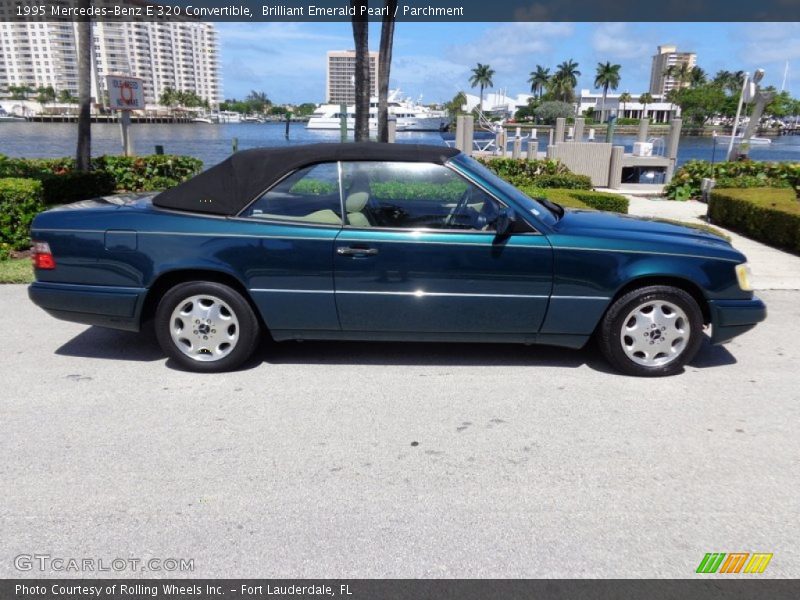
(410, 115)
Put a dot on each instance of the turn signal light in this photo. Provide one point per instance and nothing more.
(42, 257)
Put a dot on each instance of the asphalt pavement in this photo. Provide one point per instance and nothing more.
(394, 460)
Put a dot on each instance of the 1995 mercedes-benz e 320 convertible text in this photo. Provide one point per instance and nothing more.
(385, 242)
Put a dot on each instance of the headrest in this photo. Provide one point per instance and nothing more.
(356, 201)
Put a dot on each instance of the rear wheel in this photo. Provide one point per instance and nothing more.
(652, 331)
(206, 326)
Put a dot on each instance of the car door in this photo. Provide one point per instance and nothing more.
(418, 254)
(287, 256)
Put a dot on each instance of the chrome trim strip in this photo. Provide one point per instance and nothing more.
(284, 291)
(556, 248)
(418, 294)
(557, 297)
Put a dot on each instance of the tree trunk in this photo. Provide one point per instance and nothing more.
(384, 67)
(603, 104)
(85, 48)
(480, 104)
(362, 79)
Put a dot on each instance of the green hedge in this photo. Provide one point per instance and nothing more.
(20, 202)
(745, 174)
(62, 183)
(581, 198)
(770, 215)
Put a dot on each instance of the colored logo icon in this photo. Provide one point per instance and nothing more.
(734, 562)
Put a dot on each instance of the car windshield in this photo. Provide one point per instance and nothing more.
(548, 215)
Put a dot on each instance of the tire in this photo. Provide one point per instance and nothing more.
(206, 327)
(652, 331)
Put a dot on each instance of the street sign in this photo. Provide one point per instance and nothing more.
(125, 93)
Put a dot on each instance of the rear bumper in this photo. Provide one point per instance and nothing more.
(105, 306)
(730, 318)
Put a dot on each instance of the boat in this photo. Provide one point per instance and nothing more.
(410, 115)
(753, 141)
(253, 119)
(228, 116)
(9, 118)
(202, 119)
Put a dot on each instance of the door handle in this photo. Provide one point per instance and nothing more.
(350, 251)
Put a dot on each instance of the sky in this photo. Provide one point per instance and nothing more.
(433, 60)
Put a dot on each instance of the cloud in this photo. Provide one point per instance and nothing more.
(503, 45)
(614, 40)
(771, 42)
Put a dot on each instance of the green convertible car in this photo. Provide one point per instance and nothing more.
(386, 242)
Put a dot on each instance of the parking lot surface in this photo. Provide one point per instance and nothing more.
(396, 460)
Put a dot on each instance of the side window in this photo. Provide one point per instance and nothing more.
(309, 195)
(414, 196)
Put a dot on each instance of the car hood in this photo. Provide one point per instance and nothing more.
(614, 225)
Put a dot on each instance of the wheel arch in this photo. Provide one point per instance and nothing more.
(678, 281)
(169, 279)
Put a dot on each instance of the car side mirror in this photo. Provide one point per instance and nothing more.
(504, 222)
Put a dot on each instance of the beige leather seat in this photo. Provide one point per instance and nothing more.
(354, 204)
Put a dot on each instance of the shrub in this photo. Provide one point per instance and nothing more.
(520, 172)
(570, 181)
(74, 186)
(581, 198)
(20, 202)
(135, 173)
(745, 174)
(770, 215)
(412, 190)
(109, 173)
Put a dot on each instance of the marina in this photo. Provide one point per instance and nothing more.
(212, 144)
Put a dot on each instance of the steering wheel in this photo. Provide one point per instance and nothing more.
(458, 208)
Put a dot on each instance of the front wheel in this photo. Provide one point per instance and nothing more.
(206, 326)
(652, 331)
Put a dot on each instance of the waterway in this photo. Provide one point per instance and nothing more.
(213, 143)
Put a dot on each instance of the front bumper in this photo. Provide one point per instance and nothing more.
(730, 318)
(105, 306)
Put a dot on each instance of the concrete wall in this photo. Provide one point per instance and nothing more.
(587, 158)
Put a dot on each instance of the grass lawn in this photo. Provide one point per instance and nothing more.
(16, 270)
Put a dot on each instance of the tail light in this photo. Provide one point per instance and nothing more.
(42, 257)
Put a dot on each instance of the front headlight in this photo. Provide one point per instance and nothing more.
(744, 275)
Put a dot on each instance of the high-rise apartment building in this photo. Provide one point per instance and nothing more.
(182, 55)
(666, 57)
(340, 86)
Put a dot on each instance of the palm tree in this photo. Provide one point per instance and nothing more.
(644, 100)
(361, 38)
(83, 152)
(384, 66)
(624, 98)
(697, 77)
(482, 76)
(561, 87)
(606, 77)
(539, 79)
(681, 73)
(568, 70)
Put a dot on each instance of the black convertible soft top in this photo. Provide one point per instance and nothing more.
(226, 188)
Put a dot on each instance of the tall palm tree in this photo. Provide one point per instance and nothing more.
(624, 98)
(697, 77)
(561, 88)
(681, 73)
(539, 79)
(644, 100)
(361, 38)
(83, 152)
(568, 70)
(482, 76)
(606, 77)
(384, 66)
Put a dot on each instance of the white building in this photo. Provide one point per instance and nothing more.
(340, 81)
(659, 111)
(498, 103)
(182, 55)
